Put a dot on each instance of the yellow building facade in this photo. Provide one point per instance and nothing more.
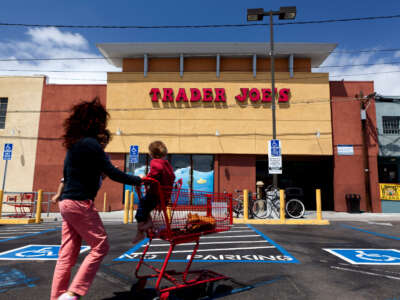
(24, 99)
(190, 95)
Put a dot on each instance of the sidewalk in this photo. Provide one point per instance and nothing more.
(116, 216)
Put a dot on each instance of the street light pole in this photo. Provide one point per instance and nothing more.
(284, 13)
(273, 107)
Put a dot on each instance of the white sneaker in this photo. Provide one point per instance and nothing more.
(66, 296)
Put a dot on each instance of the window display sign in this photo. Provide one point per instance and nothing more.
(389, 191)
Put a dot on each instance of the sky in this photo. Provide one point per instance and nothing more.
(355, 58)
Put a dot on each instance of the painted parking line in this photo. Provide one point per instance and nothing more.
(371, 232)
(224, 247)
(28, 235)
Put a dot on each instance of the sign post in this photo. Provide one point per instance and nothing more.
(7, 153)
(133, 156)
(274, 157)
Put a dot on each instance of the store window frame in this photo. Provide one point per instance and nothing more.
(3, 111)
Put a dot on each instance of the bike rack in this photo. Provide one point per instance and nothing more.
(282, 220)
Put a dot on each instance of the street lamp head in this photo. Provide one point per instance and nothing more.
(255, 14)
(287, 12)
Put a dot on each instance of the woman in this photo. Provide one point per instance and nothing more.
(84, 165)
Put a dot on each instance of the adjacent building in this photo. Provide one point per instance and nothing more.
(388, 134)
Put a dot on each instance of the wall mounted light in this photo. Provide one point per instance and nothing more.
(119, 132)
(318, 134)
(217, 133)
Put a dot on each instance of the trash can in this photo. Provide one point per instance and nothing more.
(353, 203)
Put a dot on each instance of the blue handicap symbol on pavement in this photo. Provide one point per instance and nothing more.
(35, 252)
(12, 278)
(368, 256)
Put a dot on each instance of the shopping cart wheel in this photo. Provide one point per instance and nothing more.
(210, 289)
(139, 285)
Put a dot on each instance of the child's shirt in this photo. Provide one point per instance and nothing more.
(161, 170)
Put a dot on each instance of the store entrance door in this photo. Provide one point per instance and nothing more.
(307, 172)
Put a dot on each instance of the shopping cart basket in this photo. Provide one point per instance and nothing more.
(183, 216)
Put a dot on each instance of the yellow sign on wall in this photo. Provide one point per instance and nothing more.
(390, 191)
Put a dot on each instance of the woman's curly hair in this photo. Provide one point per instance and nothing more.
(87, 119)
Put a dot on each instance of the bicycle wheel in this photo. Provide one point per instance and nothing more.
(238, 206)
(260, 209)
(295, 208)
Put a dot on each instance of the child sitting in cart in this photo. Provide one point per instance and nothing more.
(161, 170)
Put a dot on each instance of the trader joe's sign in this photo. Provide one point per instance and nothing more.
(390, 191)
(217, 95)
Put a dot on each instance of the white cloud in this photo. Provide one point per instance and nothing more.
(366, 66)
(54, 43)
(51, 36)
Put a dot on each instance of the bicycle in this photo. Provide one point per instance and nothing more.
(237, 204)
(264, 208)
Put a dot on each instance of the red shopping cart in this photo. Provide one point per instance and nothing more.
(183, 216)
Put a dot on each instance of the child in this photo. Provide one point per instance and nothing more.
(161, 170)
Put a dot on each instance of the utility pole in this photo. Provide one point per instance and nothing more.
(364, 103)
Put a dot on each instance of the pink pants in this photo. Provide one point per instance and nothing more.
(80, 221)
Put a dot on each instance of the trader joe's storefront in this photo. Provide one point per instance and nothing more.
(216, 129)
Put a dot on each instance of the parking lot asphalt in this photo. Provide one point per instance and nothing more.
(344, 260)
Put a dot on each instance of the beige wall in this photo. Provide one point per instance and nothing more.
(21, 129)
(192, 128)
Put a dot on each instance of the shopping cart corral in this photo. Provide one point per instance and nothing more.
(183, 216)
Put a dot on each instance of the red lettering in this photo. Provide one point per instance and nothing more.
(267, 95)
(195, 95)
(181, 96)
(220, 95)
(155, 94)
(207, 95)
(243, 95)
(254, 95)
(284, 95)
(168, 95)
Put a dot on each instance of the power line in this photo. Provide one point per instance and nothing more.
(200, 26)
(103, 58)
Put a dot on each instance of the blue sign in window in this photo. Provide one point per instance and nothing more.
(368, 256)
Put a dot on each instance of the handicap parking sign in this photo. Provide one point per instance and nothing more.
(134, 154)
(7, 153)
(35, 252)
(275, 147)
(368, 256)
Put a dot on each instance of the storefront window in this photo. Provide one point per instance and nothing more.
(196, 171)
(181, 166)
(203, 173)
